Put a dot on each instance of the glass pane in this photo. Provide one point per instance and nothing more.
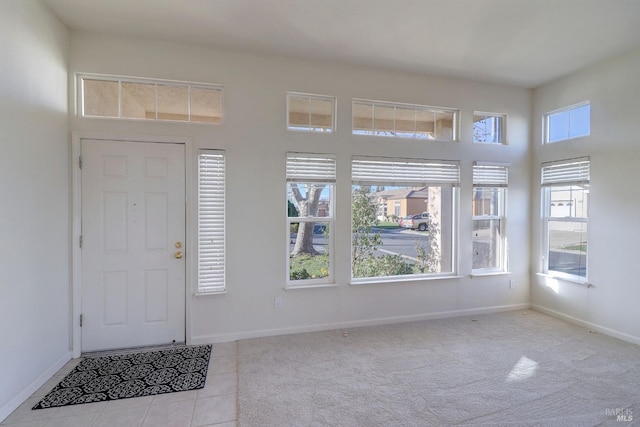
(362, 118)
(487, 201)
(321, 113)
(138, 100)
(487, 128)
(206, 105)
(100, 98)
(309, 200)
(558, 126)
(486, 243)
(299, 112)
(568, 247)
(405, 122)
(444, 125)
(173, 103)
(309, 250)
(425, 120)
(384, 121)
(570, 201)
(579, 121)
(401, 230)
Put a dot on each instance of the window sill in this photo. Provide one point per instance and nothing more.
(324, 285)
(490, 273)
(566, 279)
(376, 281)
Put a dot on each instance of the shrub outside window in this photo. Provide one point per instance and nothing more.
(310, 218)
(417, 240)
(567, 123)
(565, 187)
(489, 201)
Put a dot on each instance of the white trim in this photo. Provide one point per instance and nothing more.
(567, 278)
(79, 86)
(76, 221)
(228, 337)
(590, 325)
(502, 135)
(22, 396)
(395, 133)
(404, 278)
(310, 128)
(545, 122)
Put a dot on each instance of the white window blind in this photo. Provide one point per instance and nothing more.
(490, 175)
(311, 167)
(566, 172)
(404, 172)
(211, 221)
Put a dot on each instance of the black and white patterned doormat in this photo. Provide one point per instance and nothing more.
(98, 379)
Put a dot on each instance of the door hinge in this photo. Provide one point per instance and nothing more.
(81, 316)
(81, 241)
(80, 162)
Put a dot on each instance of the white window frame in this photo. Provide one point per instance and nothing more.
(400, 134)
(562, 173)
(547, 121)
(155, 82)
(501, 129)
(311, 128)
(312, 168)
(494, 176)
(211, 222)
(383, 171)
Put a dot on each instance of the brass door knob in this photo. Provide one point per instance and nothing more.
(179, 255)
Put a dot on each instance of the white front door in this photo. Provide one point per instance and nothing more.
(133, 237)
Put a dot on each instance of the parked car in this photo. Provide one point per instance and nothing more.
(413, 222)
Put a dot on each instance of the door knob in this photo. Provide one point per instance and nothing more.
(178, 254)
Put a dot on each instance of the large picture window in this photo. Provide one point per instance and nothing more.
(416, 237)
(310, 216)
(565, 191)
(489, 201)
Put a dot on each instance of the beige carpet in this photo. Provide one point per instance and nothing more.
(516, 368)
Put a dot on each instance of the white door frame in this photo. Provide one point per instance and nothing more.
(75, 343)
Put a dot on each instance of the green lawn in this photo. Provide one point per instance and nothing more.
(309, 267)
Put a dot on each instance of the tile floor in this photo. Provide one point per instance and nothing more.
(213, 405)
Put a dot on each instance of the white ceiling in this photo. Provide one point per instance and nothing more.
(519, 42)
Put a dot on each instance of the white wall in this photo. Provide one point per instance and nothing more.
(255, 138)
(34, 185)
(611, 304)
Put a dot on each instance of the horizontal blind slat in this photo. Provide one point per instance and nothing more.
(575, 171)
(310, 168)
(495, 176)
(405, 172)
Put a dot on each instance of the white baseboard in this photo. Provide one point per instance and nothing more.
(219, 338)
(21, 397)
(593, 326)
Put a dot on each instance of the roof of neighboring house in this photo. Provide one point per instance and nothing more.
(404, 193)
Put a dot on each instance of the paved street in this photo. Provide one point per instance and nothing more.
(395, 241)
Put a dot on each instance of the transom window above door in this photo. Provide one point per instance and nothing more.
(148, 99)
